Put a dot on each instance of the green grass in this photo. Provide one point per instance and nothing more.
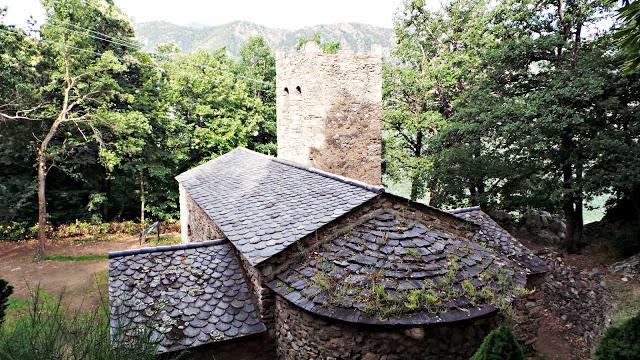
(93, 257)
(627, 303)
(164, 240)
(96, 238)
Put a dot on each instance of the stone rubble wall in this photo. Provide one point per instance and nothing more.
(579, 297)
(301, 335)
(329, 112)
(528, 311)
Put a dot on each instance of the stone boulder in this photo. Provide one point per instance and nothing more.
(504, 218)
(629, 266)
(542, 227)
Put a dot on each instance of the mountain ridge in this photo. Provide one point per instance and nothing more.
(354, 36)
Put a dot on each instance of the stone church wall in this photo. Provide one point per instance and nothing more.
(200, 227)
(301, 335)
(329, 111)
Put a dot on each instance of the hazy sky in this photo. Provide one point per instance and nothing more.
(288, 14)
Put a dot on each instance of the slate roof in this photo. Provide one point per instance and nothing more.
(264, 204)
(495, 236)
(375, 267)
(186, 295)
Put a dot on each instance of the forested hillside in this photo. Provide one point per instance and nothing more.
(357, 37)
(518, 105)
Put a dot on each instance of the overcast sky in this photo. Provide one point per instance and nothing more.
(287, 14)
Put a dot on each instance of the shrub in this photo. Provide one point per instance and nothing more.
(500, 344)
(21, 231)
(5, 291)
(621, 342)
(16, 231)
(48, 332)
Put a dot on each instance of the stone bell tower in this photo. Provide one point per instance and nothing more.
(329, 110)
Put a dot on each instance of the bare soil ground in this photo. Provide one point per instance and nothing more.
(81, 282)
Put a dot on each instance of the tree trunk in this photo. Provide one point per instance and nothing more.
(42, 206)
(572, 198)
(42, 166)
(473, 195)
(414, 187)
(433, 191)
(142, 205)
(570, 220)
(106, 189)
(481, 190)
(415, 179)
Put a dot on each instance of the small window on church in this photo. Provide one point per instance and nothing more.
(299, 90)
(286, 89)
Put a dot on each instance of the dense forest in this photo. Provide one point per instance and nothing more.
(518, 105)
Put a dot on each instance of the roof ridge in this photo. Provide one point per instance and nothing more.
(361, 184)
(152, 249)
(464, 210)
(186, 173)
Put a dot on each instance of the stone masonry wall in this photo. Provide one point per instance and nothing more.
(200, 225)
(329, 110)
(301, 335)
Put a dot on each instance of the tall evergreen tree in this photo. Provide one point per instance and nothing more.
(436, 54)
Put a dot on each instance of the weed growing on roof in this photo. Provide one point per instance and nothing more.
(413, 252)
(424, 298)
(321, 280)
(469, 291)
(381, 304)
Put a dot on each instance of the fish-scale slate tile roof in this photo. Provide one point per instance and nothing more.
(263, 204)
(495, 236)
(389, 270)
(186, 295)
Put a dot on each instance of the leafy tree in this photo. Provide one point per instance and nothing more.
(629, 34)
(500, 344)
(436, 53)
(19, 88)
(545, 114)
(620, 342)
(79, 84)
(216, 111)
(5, 291)
(329, 47)
(257, 65)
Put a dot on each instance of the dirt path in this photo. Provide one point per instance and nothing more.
(555, 342)
(76, 279)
